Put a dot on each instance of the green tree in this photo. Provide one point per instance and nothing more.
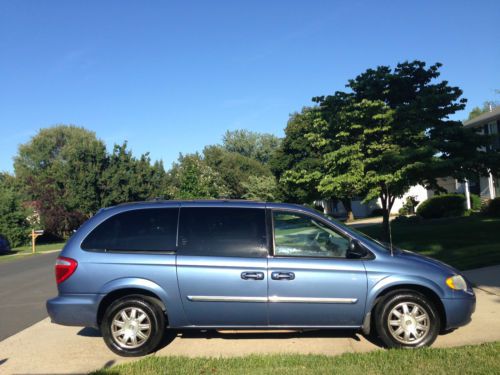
(258, 146)
(60, 168)
(261, 188)
(191, 178)
(393, 131)
(235, 169)
(296, 163)
(13, 216)
(128, 179)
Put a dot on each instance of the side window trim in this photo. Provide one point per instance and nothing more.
(308, 215)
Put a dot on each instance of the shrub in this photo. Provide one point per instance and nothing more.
(493, 207)
(475, 202)
(409, 205)
(444, 205)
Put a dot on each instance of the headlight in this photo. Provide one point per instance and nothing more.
(456, 282)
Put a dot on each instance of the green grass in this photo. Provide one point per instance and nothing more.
(465, 242)
(22, 252)
(41, 248)
(480, 359)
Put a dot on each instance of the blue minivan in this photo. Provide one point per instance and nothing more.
(137, 269)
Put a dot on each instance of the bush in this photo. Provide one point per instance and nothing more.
(444, 205)
(409, 205)
(475, 202)
(493, 207)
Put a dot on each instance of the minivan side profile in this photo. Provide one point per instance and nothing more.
(137, 269)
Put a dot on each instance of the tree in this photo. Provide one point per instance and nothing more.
(392, 131)
(191, 178)
(235, 169)
(13, 216)
(296, 163)
(263, 188)
(253, 145)
(128, 179)
(61, 168)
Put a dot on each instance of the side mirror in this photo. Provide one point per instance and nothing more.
(356, 250)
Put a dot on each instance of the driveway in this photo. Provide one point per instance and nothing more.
(49, 348)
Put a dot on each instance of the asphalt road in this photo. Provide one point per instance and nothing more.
(25, 285)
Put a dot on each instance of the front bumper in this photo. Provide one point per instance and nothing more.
(74, 309)
(459, 311)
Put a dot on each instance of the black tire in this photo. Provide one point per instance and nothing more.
(420, 333)
(123, 344)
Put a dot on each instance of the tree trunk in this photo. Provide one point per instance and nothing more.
(348, 207)
(387, 203)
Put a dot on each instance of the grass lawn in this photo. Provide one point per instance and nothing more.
(480, 359)
(465, 242)
(24, 251)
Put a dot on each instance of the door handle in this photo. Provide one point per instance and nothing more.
(252, 275)
(282, 275)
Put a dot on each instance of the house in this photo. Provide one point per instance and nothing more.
(487, 187)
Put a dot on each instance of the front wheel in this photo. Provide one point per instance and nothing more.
(406, 319)
(133, 326)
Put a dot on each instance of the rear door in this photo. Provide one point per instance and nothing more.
(311, 282)
(222, 266)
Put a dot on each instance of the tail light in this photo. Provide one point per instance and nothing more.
(65, 267)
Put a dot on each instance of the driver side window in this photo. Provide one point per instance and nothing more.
(298, 235)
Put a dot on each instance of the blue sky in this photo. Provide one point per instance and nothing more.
(171, 77)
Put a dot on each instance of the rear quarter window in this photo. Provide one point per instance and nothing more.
(153, 229)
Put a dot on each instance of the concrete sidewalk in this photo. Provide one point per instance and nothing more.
(49, 348)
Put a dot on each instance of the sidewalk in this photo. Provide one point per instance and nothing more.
(50, 348)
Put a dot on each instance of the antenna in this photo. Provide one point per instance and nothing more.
(389, 222)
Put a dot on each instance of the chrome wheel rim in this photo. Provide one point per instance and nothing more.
(131, 327)
(408, 323)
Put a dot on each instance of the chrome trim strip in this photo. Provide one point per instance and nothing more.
(274, 299)
(312, 300)
(226, 299)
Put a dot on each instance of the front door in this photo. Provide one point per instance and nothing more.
(311, 282)
(222, 265)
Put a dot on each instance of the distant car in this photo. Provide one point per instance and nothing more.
(134, 269)
(4, 245)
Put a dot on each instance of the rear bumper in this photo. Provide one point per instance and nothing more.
(459, 311)
(74, 309)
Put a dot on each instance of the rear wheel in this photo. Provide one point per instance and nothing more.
(406, 319)
(133, 326)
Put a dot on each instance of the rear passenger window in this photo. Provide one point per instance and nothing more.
(230, 232)
(136, 230)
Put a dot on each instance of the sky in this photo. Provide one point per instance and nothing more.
(170, 77)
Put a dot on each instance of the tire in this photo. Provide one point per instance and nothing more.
(406, 319)
(133, 326)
